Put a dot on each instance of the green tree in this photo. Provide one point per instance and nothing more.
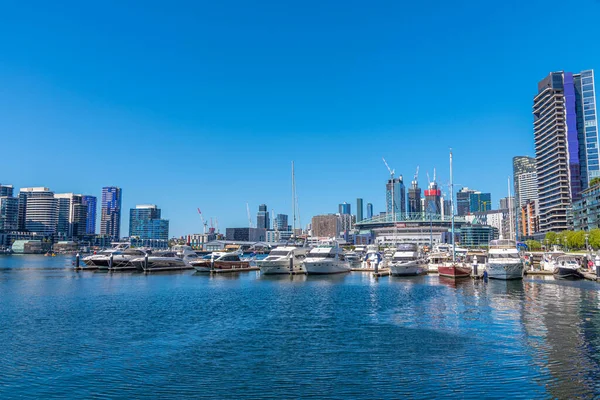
(551, 238)
(594, 239)
(533, 245)
(594, 182)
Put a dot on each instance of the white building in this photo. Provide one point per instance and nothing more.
(39, 210)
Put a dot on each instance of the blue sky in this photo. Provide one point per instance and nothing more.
(205, 104)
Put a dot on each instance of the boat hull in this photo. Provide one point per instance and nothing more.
(567, 273)
(505, 271)
(207, 266)
(454, 271)
(408, 269)
(326, 267)
(279, 267)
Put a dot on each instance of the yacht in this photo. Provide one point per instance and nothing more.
(279, 259)
(220, 261)
(504, 261)
(373, 258)
(326, 258)
(407, 261)
(92, 259)
(567, 267)
(177, 258)
(121, 260)
(549, 258)
(436, 259)
(353, 258)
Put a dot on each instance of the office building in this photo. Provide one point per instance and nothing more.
(346, 222)
(433, 199)
(463, 201)
(345, 208)
(326, 226)
(369, 210)
(110, 217)
(529, 220)
(281, 222)
(38, 210)
(6, 191)
(480, 202)
(414, 197)
(566, 143)
(71, 216)
(262, 218)
(359, 209)
(145, 222)
(477, 235)
(524, 170)
(586, 211)
(90, 223)
(9, 213)
(395, 197)
(246, 234)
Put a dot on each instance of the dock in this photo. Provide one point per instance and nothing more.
(538, 272)
(382, 272)
(590, 276)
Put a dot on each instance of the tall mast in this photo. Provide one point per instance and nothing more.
(510, 213)
(293, 199)
(452, 208)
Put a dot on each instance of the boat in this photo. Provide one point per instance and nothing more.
(116, 246)
(220, 261)
(373, 258)
(567, 267)
(326, 258)
(436, 259)
(504, 261)
(179, 257)
(408, 261)
(120, 260)
(279, 259)
(353, 258)
(549, 258)
(454, 269)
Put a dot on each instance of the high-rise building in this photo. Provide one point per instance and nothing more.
(110, 219)
(480, 202)
(369, 210)
(145, 222)
(246, 234)
(395, 197)
(9, 213)
(6, 191)
(526, 188)
(90, 223)
(346, 222)
(506, 203)
(463, 201)
(281, 222)
(414, 197)
(566, 144)
(359, 210)
(71, 215)
(433, 199)
(522, 165)
(262, 218)
(38, 210)
(345, 208)
(326, 226)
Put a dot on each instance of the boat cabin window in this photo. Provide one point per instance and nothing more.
(279, 253)
(403, 259)
(230, 258)
(504, 255)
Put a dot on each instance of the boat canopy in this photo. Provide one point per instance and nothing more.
(503, 244)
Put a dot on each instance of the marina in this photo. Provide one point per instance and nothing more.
(170, 333)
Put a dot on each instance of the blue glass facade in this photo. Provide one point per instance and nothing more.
(345, 208)
(480, 202)
(587, 124)
(399, 194)
(90, 220)
(110, 222)
(145, 223)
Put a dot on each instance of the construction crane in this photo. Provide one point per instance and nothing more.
(428, 179)
(249, 217)
(204, 223)
(417, 174)
(392, 171)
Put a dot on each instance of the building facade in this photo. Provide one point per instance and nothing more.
(38, 210)
(586, 211)
(359, 209)
(477, 235)
(9, 213)
(433, 199)
(6, 191)
(246, 234)
(71, 215)
(369, 210)
(281, 222)
(529, 220)
(480, 202)
(344, 208)
(262, 218)
(90, 203)
(145, 222)
(110, 218)
(414, 197)
(395, 196)
(326, 226)
(463, 201)
(566, 142)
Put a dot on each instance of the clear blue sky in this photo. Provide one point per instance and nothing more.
(205, 104)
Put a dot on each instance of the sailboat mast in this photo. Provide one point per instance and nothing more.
(510, 213)
(293, 199)
(452, 208)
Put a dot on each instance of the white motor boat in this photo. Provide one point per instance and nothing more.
(178, 258)
(221, 261)
(568, 267)
(548, 262)
(353, 258)
(97, 259)
(408, 261)
(326, 258)
(120, 260)
(373, 258)
(504, 261)
(279, 259)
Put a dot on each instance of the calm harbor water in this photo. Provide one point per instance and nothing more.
(66, 334)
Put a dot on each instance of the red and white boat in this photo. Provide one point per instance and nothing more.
(454, 270)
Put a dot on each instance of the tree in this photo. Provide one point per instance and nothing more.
(594, 239)
(551, 238)
(594, 182)
(533, 245)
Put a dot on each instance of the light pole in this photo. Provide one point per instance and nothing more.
(587, 247)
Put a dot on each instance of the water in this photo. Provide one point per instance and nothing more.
(66, 334)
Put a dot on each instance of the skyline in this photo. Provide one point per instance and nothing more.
(200, 106)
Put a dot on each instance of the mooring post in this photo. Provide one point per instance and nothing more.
(110, 261)
(292, 264)
(77, 256)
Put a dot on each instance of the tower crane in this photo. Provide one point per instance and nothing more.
(204, 223)
(392, 171)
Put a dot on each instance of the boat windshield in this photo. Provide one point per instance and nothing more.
(504, 255)
(279, 253)
(403, 259)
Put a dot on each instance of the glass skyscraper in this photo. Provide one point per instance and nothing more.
(262, 218)
(110, 219)
(145, 222)
(359, 209)
(396, 187)
(90, 222)
(369, 210)
(345, 208)
(566, 143)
